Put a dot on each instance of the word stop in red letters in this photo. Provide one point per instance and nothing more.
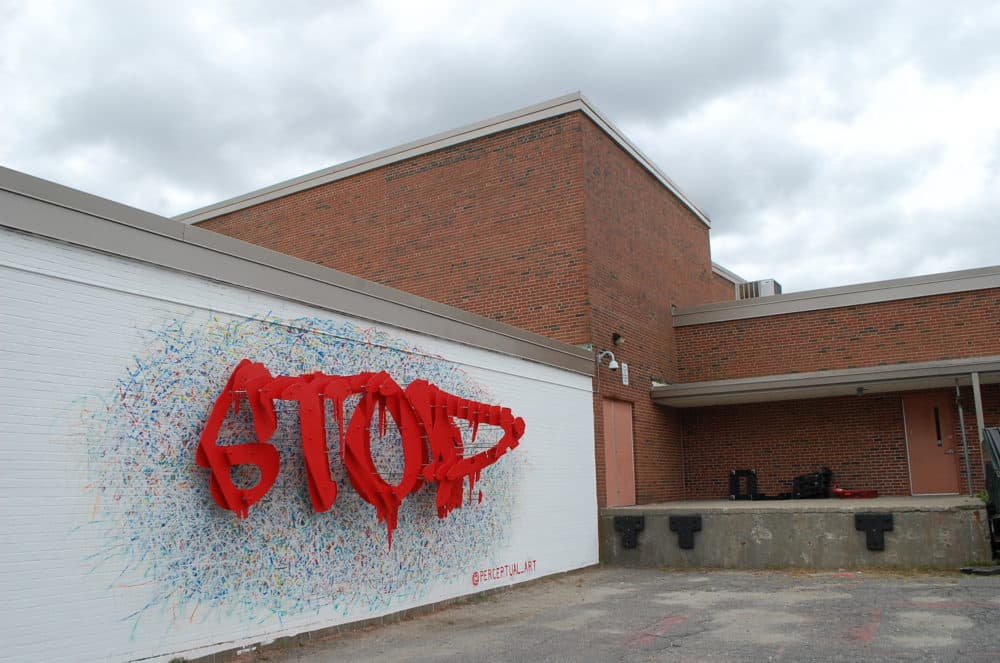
(424, 414)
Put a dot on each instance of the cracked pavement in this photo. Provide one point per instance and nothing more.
(616, 614)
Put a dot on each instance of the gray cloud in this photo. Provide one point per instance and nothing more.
(778, 118)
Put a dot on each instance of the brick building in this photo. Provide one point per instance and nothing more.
(550, 220)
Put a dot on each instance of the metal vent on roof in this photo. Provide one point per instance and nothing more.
(754, 289)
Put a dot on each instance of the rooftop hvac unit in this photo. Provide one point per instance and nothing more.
(762, 288)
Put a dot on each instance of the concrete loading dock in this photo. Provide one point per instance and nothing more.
(939, 532)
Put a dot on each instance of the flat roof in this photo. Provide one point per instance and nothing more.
(848, 295)
(33, 205)
(544, 110)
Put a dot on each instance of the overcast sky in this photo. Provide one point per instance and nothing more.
(829, 142)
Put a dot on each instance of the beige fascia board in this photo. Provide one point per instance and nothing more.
(29, 186)
(850, 295)
(822, 384)
(611, 130)
(730, 276)
(50, 210)
(547, 109)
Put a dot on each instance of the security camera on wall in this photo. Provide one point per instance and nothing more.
(612, 362)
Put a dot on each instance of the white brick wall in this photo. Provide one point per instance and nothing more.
(111, 549)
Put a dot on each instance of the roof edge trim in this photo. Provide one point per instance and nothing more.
(850, 295)
(518, 118)
(99, 224)
(818, 384)
(729, 275)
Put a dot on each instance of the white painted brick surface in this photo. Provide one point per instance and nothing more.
(73, 324)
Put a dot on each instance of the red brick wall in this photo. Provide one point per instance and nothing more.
(862, 440)
(553, 228)
(550, 227)
(493, 226)
(647, 252)
(907, 330)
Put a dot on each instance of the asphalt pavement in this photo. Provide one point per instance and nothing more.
(615, 614)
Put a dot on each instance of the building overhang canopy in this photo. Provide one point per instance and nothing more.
(823, 384)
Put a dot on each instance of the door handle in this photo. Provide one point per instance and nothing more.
(950, 452)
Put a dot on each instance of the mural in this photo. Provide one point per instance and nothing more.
(163, 536)
(431, 442)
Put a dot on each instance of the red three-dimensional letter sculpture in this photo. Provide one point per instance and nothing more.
(432, 443)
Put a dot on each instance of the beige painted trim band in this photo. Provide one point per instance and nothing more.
(731, 276)
(36, 206)
(822, 384)
(850, 295)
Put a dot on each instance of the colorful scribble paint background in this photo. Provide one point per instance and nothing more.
(164, 535)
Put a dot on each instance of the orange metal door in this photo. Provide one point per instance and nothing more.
(930, 443)
(619, 466)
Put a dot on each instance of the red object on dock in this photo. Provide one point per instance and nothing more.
(847, 493)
